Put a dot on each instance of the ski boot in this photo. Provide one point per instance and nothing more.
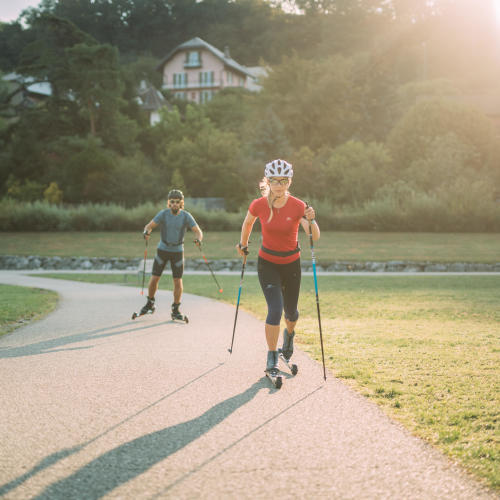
(286, 351)
(272, 370)
(176, 314)
(149, 307)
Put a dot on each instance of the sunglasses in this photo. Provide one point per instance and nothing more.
(281, 182)
(178, 202)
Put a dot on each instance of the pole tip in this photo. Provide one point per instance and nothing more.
(229, 351)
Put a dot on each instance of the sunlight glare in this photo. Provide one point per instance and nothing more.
(496, 5)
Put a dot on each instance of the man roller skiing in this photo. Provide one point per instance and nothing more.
(173, 222)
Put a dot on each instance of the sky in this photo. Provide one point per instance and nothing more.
(10, 9)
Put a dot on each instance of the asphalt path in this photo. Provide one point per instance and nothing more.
(95, 405)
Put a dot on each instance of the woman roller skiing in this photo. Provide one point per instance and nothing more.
(278, 264)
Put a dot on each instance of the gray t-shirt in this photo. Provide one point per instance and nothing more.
(173, 227)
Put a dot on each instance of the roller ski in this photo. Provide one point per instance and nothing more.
(272, 370)
(149, 308)
(177, 315)
(285, 353)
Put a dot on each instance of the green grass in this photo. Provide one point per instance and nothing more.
(20, 305)
(333, 246)
(424, 348)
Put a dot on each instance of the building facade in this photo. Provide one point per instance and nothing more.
(196, 70)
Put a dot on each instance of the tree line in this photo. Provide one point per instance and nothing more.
(362, 97)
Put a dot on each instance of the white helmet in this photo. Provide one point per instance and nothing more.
(278, 168)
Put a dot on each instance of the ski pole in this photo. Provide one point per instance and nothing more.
(245, 250)
(317, 296)
(198, 244)
(144, 268)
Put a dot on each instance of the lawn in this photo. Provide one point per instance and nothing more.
(20, 305)
(333, 246)
(424, 348)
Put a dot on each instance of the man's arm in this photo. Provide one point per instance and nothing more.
(197, 231)
(148, 228)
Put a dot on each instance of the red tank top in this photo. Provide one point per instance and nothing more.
(281, 234)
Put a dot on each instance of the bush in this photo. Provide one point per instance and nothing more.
(463, 207)
(42, 216)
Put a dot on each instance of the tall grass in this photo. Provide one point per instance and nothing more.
(421, 213)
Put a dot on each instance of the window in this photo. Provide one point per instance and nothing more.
(180, 95)
(205, 96)
(206, 78)
(180, 80)
(229, 78)
(193, 59)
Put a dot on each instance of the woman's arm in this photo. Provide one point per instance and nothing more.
(246, 230)
(309, 215)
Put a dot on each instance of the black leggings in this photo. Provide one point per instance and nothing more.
(281, 286)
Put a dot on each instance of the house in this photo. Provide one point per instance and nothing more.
(196, 70)
(24, 92)
(151, 100)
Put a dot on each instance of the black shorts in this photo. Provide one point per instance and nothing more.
(176, 263)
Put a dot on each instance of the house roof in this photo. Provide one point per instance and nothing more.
(33, 86)
(150, 98)
(198, 43)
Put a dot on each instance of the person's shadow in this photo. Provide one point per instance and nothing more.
(59, 343)
(129, 460)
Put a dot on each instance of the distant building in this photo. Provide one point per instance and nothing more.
(196, 70)
(151, 100)
(25, 92)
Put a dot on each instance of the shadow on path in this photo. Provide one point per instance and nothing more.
(60, 455)
(130, 460)
(57, 344)
(234, 443)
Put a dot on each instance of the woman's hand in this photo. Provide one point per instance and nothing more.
(310, 214)
(242, 251)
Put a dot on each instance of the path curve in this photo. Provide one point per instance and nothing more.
(94, 405)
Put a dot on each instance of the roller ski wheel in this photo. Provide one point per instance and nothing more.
(140, 313)
(294, 369)
(272, 370)
(148, 308)
(275, 378)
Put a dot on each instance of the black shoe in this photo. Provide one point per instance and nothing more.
(176, 314)
(272, 362)
(149, 306)
(287, 349)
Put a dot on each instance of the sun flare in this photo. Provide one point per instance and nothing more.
(496, 5)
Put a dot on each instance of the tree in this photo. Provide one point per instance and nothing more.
(413, 136)
(92, 80)
(206, 157)
(314, 100)
(355, 171)
(82, 168)
(266, 138)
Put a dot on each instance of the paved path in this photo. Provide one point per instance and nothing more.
(94, 405)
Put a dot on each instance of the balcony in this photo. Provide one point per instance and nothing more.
(217, 84)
